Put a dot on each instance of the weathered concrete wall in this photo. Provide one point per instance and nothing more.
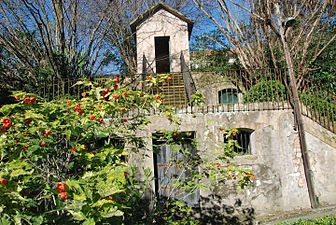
(162, 24)
(276, 158)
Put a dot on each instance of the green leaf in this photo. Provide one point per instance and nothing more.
(89, 222)
(78, 215)
(112, 212)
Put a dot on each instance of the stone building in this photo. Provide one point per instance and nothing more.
(268, 136)
(162, 34)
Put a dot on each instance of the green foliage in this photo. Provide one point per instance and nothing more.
(326, 220)
(63, 161)
(320, 103)
(265, 91)
(198, 99)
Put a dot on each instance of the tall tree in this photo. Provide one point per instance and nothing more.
(54, 35)
(254, 28)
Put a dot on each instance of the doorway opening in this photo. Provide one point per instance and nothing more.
(162, 58)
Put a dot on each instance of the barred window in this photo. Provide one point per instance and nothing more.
(228, 96)
(243, 137)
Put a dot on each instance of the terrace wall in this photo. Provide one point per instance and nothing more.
(276, 157)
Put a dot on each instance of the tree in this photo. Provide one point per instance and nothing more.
(254, 29)
(54, 38)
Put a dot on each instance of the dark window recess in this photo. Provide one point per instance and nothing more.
(228, 96)
(244, 141)
(162, 58)
(168, 166)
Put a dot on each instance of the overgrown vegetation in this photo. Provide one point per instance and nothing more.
(66, 161)
(326, 220)
(266, 91)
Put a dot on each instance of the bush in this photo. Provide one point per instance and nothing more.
(327, 220)
(266, 91)
(320, 103)
(63, 161)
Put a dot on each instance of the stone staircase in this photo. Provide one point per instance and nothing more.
(173, 90)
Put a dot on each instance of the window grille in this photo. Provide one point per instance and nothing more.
(228, 96)
(243, 138)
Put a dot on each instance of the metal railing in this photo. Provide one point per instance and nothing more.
(229, 91)
(189, 83)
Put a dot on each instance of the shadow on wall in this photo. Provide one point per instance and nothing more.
(216, 213)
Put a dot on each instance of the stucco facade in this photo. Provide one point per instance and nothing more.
(162, 24)
(275, 157)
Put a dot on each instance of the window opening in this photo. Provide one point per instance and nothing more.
(243, 138)
(228, 96)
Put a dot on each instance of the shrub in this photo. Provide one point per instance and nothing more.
(63, 161)
(320, 103)
(326, 220)
(266, 91)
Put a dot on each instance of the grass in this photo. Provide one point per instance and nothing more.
(326, 220)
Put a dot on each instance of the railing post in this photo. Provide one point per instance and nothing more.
(144, 67)
(299, 123)
(187, 78)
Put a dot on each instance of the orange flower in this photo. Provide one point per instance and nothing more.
(92, 118)
(43, 143)
(46, 133)
(6, 122)
(63, 195)
(60, 187)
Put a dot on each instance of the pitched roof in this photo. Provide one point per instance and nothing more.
(136, 22)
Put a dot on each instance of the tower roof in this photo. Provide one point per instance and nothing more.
(140, 19)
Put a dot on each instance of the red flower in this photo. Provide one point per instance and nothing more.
(105, 91)
(150, 77)
(16, 98)
(115, 87)
(68, 102)
(158, 98)
(60, 186)
(63, 195)
(117, 79)
(94, 152)
(6, 122)
(92, 118)
(169, 78)
(77, 108)
(73, 150)
(247, 174)
(43, 143)
(32, 99)
(115, 96)
(125, 93)
(100, 120)
(81, 112)
(4, 181)
(218, 165)
(27, 100)
(46, 133)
